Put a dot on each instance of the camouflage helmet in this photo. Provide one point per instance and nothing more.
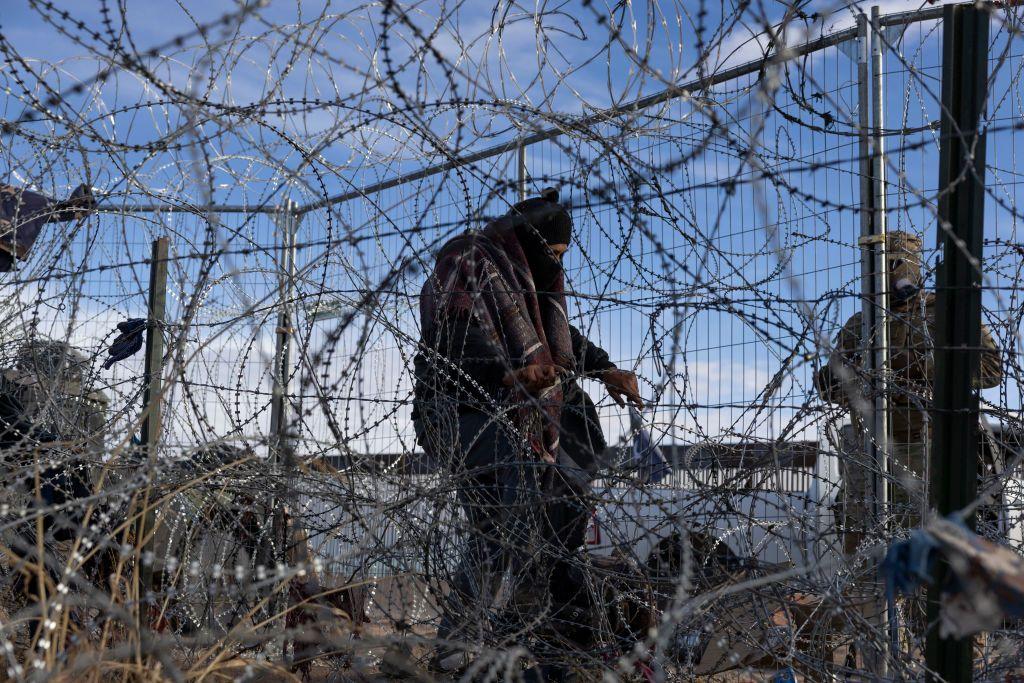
(50, 381)
(53, 366)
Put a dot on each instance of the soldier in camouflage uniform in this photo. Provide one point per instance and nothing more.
(911, 365)
(52, 417)
(53, 420)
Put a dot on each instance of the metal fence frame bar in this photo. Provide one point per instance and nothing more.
(912, 16)
(753, 66)
(673, 92)
(106, 207)
(604, 115)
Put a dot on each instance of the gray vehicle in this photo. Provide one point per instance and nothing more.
(727, 506)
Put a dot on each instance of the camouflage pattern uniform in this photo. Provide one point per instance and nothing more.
(51, 380)
(911, 365)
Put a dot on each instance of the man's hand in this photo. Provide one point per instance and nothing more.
(622, 387)
(533, 378)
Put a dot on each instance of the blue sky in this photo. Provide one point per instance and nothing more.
(490, 54)
(709, 359)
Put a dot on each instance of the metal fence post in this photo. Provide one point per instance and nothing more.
(521, 170)
(874, 300)
(958, 299)
(154, 347)
(287, 224)
(153, 373)
(281, 447)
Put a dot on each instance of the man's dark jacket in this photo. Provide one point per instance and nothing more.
(461, 363)
(466, 375)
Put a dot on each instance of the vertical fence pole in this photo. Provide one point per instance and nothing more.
(154, 347)
(958, 298)
(287, 223)
(152, 396)
(521, 170)
(281, 448)
(874, 300)
(881, 340)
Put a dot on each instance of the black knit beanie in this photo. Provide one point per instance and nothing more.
(547, 216)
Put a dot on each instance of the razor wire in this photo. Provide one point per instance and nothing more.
(311, 161)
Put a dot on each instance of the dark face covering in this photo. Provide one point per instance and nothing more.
(548, 223)
(544, 265)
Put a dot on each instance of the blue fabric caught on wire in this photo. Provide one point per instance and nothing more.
(128, 342)
(786, 675)
(908, 564)
(986, 581)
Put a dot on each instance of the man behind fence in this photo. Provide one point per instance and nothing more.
(498, 404)
(911, 342)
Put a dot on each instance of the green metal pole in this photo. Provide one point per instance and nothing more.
(958, 299)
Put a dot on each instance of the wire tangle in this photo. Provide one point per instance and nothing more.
(448, 340)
